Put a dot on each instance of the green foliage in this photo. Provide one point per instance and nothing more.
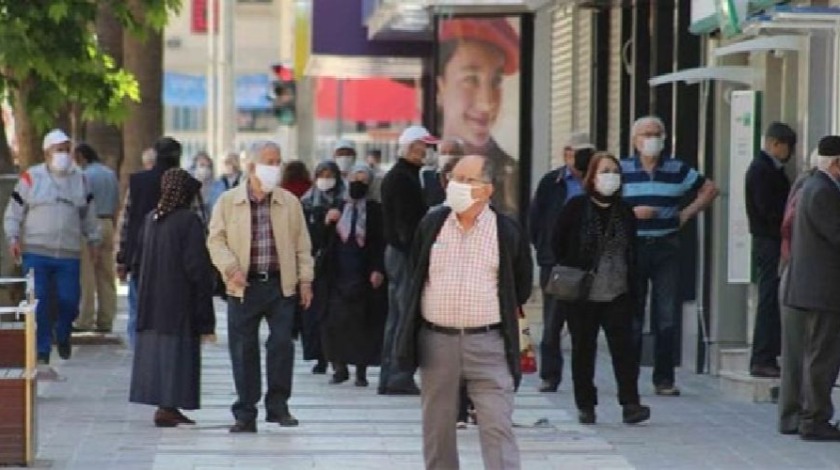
(48, 50)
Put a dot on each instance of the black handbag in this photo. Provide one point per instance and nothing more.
(573, 284)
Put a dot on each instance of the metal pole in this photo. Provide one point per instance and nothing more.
(211, 77)
(705, 87)
(227, 122)
(675, 56)
(634, 50)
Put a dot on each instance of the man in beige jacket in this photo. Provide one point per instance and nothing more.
(259, 242)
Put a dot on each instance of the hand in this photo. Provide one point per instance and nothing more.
(645, 212)
(209, 339)
(684, 218)
(306, 294)
(14, 249)
(332, 216)
(238, 280)
(122, 272)
(376, 279)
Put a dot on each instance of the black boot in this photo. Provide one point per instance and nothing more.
(361, 376)
(341, 374)
(320, 367)
(635, 414)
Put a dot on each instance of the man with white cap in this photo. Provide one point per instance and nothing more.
(50, 210)
(344, 154)
(403, 206)
(555, 188)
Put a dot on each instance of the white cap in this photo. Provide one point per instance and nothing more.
(55, 137)
(579, 140)
(344, 144)
(415, 133)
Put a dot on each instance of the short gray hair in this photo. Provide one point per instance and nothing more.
(647, 120)
(257, 147)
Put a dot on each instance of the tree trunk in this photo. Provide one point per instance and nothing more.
(28, 140)
(7, 162)
(106, 138)
(143, 57)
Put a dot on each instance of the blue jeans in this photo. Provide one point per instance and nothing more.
(56, 280)
(658, 262)
(131, 328)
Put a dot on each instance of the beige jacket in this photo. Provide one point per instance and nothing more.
(229, 240)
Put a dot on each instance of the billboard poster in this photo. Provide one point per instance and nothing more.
(477, 87)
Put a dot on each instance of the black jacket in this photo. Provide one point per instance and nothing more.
(515, 278)
(573, 249)
(767, 189)
(542, 215)
(175, 291)
(403, 204)
(144, 193)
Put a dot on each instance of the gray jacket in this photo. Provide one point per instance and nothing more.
(49, 213)
(814, 269)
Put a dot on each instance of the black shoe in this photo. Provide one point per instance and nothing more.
(320, 368)
(410, 390)
(667, 390)
(43, 359)
(549, 386)
(635, 414)
(243, 427)
(789, 432)
(820, 432)
(767, 372)
(64, 350)
(285, 420)
(339, 378)
(361, 382)
(586, 416)
(104, 331)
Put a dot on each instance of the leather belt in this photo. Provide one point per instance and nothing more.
(263, 276)
(474, 330)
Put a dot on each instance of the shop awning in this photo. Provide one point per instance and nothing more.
(727, 73)
(766, 43)
(366, 100)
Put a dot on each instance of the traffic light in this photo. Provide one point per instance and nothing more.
(284, 96)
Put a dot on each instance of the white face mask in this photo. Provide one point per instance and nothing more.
(61, 162)
(652, 146)
(607, 183)
(268, 175)
(325, 184)
(459, 196)
(203, 172)
(443, 160)
(344, 163)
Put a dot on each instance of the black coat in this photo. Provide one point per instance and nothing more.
(543, 212)
(144, 192)
(352, 314)
(403, 204)
(175, 291)
(515, 284)
(766, 192)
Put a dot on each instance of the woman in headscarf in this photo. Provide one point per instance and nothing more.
(202, 170)
(175, 307)
(326, 194)
(350, 270)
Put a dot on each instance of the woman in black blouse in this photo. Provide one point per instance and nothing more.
(599, 222)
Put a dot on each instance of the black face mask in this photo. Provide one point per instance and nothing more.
(358, 190)
(582, 159)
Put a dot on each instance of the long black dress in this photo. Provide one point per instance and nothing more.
(352, 317)
(175, 307)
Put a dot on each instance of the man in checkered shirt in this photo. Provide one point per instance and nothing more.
(470, 272)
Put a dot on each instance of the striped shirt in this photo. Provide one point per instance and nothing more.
(462, 289)
(663, 189)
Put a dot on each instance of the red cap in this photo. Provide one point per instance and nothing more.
(494, 31)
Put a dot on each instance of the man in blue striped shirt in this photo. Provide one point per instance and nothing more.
(654, 185)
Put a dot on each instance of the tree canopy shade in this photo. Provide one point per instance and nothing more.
(51, 64)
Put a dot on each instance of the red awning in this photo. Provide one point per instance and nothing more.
(367, 100)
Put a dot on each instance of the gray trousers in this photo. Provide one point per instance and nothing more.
(820, 367)
(396, 267)
(793, 342)
(479, 361)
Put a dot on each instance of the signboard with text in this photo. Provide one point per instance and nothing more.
(744, 141)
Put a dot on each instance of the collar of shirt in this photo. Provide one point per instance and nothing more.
(637, 161)
(482, 217)
(252, 198)
(777, 164)
(833, 179)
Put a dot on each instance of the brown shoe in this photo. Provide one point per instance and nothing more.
(166, 418)
(182, 418)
